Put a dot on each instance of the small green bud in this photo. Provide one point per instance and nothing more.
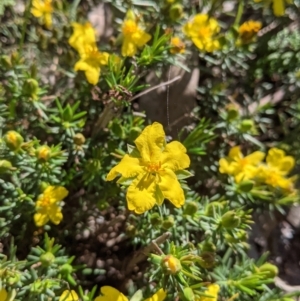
(269, 270)
(79, 139)
(168, 222)
(246, 186)
(47, 259)
(232, 111)
(6, 62)
(213, 207)
(5, 166)
(131, 230)
(230, 220)
(247, 125)
(43, 186)
(207, 246)
(155, 219)
(190, 208)
(31, 88)
(176, 12)
(43, 153)
(188, 294)
(171, 264)
(13, 140)
(13, 279)
(66, 269)
(207, 260)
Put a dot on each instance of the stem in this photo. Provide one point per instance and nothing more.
(239, 13)
(26, 17)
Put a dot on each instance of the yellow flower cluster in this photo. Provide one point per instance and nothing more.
(177, 46)
(91, 59)
(278, 6)
(213, 291)
(152, 167)
(273, 172)
(202, 30)
(43, 9)
(109, 293)
(47, 206)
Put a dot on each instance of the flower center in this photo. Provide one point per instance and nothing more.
(204, 32)
(243, 162)
(45, 202)
(129, 27)
(154, 167)
(48, 6)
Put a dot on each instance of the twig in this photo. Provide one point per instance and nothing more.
(142, 254)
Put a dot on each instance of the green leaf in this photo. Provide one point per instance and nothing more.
(138, 296)
(183, 174)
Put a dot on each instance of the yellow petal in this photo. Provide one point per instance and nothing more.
(160, 295)
(141, 194)
(235, 153)
(278, 7)
(174, 156)
(48, 20)
(3, 294)
(128, 167)
(36, 12)
(69, 296)
(212, 290)
(92, 71)
(55, 214)
(225, 166)
(274, 156)
(128, 48)
(140, 38)
(255, 157)
(110, 294)
(151, 142)
(56, 193)
(41, 217)
(287, 164)
(170, 187)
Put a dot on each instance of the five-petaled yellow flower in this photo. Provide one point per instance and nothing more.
(213, 291)
(83, 35)
(111, 294)
(202, 30)
(278, 6)
(133, 36)
(47, 206)
(3, 294)
(277, 168)
(91, 60)
(248, 31)
(43, 9)
(69, 296)
(152, 166)
(242, 168)
(177, 45)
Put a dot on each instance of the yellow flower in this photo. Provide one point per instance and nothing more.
(133, 36)
(242, 168)
(91, 60)
(152, 166)
(202, 31)
(212, 290)
(69, 296)
(277, 167)
(248, 30)
(177, 45)
(83, 35)
(3, 294)
(43, 9)
(46, 205)
(278, 6)
(111, 294)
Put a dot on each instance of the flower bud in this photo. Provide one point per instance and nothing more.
(246, 186)
(131, 230)
(188, 294)
(171, 264)
(176, 12)
(269, 270)
(5, 61)
(5, 166)
(79, 139)
(168, 222)
(155, 219)
(190, 208)
(43, 153)
(213, 207)
(47, 259)
(232, 111)
(207, 260)
(30, 88)
(66, 269)
(230, 220)
(13, 278)
(13, 140)
(247, 125)
(207, 246)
